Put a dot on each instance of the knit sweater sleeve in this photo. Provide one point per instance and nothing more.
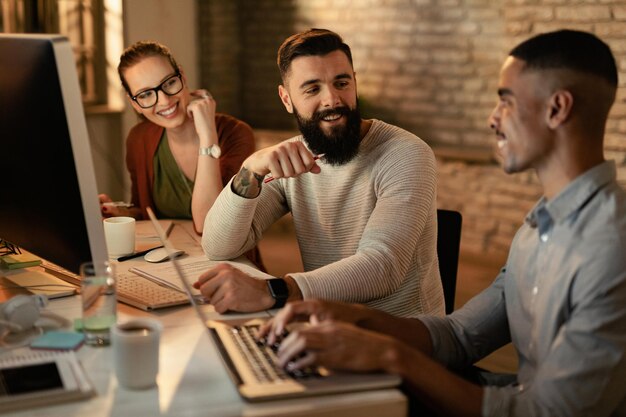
(235, 224)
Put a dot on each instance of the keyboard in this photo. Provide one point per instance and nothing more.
(145, 294)
(131, 289)
(262, 358)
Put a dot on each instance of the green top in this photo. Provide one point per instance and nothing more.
(172, 190)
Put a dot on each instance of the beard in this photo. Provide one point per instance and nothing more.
(341, 145)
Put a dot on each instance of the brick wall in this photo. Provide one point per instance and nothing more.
(220, 52)
(429, 66)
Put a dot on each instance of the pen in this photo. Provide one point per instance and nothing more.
(270, 178)
(117, 204)
(135, 255)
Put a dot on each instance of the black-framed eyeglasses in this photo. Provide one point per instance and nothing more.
(171, 85)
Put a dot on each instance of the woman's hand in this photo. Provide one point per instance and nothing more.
(202, 111)
(108, 210)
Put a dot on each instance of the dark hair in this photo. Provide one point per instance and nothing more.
(138, 51)
(568, 49)
(309, 43)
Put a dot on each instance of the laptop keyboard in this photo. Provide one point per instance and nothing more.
(262, 358)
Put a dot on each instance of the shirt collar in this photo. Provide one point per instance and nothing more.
(572, 197)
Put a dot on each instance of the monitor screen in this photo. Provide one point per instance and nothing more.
(48, 195)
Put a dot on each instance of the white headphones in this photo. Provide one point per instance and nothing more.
(21, 312)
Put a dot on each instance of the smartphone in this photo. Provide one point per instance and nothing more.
(38, 383)
(30, 378)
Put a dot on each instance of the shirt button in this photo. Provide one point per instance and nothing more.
(544, 237)
(535, 290)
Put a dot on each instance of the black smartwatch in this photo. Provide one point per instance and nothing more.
(278, 291)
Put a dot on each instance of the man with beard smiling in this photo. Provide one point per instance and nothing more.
(362, 194)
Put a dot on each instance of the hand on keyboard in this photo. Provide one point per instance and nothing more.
(291, 367)
(313, 311)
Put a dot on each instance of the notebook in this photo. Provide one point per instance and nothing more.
(253, 366)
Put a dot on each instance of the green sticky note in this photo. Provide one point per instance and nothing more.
(58, 340)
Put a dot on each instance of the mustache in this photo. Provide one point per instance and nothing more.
(319, 115)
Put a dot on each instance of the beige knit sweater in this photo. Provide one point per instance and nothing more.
(367, 229)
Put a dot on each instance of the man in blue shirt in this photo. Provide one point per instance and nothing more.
(560, 298)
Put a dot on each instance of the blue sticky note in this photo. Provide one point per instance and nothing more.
(58, 340)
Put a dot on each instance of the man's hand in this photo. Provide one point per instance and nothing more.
(287, 159)
(229, 289)
(314, 311)
(338, 345)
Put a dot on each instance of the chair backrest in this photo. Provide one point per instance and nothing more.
(448, 244)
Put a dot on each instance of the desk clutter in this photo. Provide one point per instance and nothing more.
(131, 289)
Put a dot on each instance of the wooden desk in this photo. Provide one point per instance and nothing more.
(192, 380)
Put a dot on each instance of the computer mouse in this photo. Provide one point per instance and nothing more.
(160, 254)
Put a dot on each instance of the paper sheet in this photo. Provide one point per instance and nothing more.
(192, 266)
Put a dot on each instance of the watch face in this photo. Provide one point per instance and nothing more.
(278, 291)
(216, 152)
(278, 288)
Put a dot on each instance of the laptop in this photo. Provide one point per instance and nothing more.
(252, 366)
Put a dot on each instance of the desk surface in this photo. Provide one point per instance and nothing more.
(192, 380)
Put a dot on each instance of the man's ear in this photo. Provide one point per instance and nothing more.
(560, 106)
(284, 97)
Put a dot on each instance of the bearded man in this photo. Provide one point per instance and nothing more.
(362, 194)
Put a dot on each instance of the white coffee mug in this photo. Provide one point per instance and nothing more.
(119, 233)
(136, 352)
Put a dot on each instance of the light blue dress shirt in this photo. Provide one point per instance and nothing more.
(561, 300)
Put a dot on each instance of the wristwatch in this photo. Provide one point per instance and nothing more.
(278, 291)
(213, 151)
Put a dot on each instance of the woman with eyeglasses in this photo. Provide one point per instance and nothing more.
(182, 153)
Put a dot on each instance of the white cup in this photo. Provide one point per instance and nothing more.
(136, 352)
(119, 233)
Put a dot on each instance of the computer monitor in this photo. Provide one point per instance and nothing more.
(48, 195)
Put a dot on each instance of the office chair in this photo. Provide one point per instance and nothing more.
(448, 244)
